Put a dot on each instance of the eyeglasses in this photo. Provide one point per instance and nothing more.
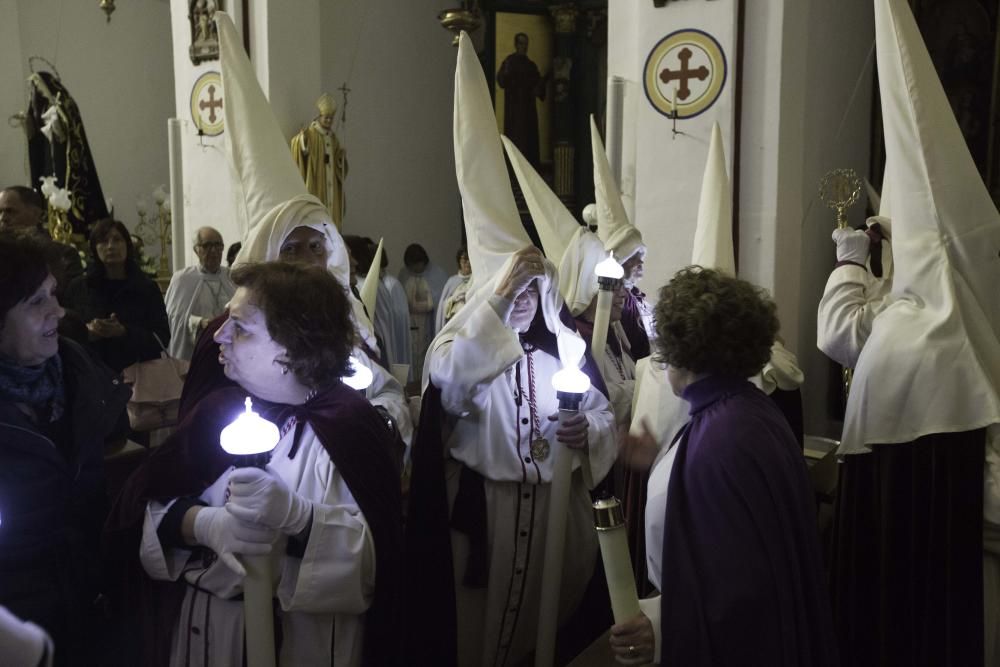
(210, 246)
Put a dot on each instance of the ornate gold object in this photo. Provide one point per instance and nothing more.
(60, 228)
(459, 19)
(158, 230)
(108, 7)
(840, 189)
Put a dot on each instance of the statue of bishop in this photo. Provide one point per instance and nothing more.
(321, 159)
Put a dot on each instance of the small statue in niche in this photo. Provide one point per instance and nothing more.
(204, 35)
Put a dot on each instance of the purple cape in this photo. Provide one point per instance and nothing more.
(742, 568)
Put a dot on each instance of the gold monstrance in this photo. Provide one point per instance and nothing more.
(840, 189)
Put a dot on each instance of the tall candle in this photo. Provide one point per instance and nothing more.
(613, 539)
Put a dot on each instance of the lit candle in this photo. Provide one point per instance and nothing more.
(613, 539)
(251, 438)
(360, 377)
(570, 384)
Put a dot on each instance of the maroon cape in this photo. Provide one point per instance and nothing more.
(191, 459)
(742, 567)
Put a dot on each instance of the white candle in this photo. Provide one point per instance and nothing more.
(570, 384)
(248, 435)
(617, 562)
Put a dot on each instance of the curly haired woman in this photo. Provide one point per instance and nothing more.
(740, 570)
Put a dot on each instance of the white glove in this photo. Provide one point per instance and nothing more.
(852, 245)
(257, 496)
(227, 536)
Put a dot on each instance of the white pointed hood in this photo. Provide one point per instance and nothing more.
(493, 226)
(492, 223)
(275, 196)
(369, 290)
(567, 243)
(713, 235)
(932, 362)
(613, 226)
(874, 198)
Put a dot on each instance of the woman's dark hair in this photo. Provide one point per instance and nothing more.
(307, 312)
(415, 254)
(234, 250)
(707, 322)
(100, 233)
(462, 252)
(22, 270)
(362, 252)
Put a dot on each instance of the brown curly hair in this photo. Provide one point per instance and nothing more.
(308, 313)
(708, 322)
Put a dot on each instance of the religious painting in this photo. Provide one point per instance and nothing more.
(522, 82)
(204, 34)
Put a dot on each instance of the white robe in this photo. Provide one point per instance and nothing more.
(392, 317)
(322, 595)
(440, 316)
(851, 300)
(386, 392)
(193, 298)
(492, 434)
(22, 643)
(619, 376)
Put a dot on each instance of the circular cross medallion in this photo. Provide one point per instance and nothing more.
(686, 68)
(206, 104)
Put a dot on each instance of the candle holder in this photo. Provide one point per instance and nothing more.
(250, 439)
(609, 522)
(157, 230)
(571, 384)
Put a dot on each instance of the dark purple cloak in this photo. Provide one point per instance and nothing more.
(191, 459)
(742, 569)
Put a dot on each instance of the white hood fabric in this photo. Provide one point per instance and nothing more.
(613, 226)
(569, 245)
(932, 362)
(492, 225)
(275, 196)
(369, 289)
(713, 235)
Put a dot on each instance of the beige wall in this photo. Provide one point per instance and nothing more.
(118, 73)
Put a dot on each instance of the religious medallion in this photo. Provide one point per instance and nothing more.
(206, 104)
(540, 449)
(685, 73)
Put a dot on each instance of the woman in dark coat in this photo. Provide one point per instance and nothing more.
(57, 407)
(122, 308)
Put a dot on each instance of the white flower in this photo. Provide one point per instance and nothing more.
(160, 194)
(60, 199)
(53, 128)
(48, 185)
(166, 206)
(141, 206)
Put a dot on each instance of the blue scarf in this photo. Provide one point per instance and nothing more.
(41, 387)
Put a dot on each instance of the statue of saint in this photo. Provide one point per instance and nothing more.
(321, 160)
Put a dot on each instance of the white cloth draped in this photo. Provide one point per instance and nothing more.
(193, 298)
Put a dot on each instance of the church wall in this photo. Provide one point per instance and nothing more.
(800, 64)
(400, 65)
(836, 134)
(119, 73)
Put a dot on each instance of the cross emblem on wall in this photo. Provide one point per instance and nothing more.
(211, 104)
(684, 74)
